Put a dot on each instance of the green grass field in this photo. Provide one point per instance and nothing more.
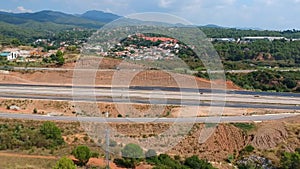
(12, 162)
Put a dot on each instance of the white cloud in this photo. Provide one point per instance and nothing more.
(108, 10)
(5, 10)
(21, 9)
(164, 3)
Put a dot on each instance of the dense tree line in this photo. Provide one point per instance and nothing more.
(277, 50)
(290, 160)
(29, 32)
(267, 80)
(238, 33)
(133, 155)
(47, 135)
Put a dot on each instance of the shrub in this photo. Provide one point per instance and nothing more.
(82, 153)
(95, 154)
(249, 148)
(290, 160)
(52, 132)
(150, 153)
(195, 162)
(113, 143)
(132, 151)
(132, 154)
(65, 163)
(244, 126)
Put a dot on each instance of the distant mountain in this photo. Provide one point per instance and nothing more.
(212, 26)
(249, 28)
(100, 16)
(90, 19)
(30, 26)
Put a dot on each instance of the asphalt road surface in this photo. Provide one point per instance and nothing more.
(216, 119)
(153, 95)
(72, 69)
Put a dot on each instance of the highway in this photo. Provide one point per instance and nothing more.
(72, 69)
(216, 119)
(153, 95)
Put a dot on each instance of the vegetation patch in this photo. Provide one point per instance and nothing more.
(244, 126)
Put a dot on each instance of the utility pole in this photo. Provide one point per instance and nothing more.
(107, 144)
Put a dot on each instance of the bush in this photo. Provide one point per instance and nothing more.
(249, 148)
(65, 163)
(290, 83)
(151, 157)
(150, 153)
(35, 111)
(132, 155)
(230, 158)
(132, 151)
(95, 154)
(165, 161)
(244, 126)
(194, 162)
(52, 132)
(82, 153)
(290, 160)
(113, 143)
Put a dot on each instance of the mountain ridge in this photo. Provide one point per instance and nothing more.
(89, 19)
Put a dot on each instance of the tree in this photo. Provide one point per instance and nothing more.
(150, 153)
(132, 154)
(15, 42)
(35, 111)
(132, 151)
(165, 161)
(230, 158)
(195, 163)
(51, 131)
(82, 153)
(65, 163)
(249, 148)
(151, 156)
(290, 160)
(60, 57)
(290, 83)
(59, 53)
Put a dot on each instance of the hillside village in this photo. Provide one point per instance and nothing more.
(141, 47)
(152, 48)
(26, 54)
(40, 51)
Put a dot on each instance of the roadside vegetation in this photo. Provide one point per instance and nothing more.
(264, 80)
(17, 136)
(245, 126)
(268, 81)
(44, 139)
(133, 155)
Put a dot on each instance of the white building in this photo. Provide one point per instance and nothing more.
(270, 38)
(10, 55)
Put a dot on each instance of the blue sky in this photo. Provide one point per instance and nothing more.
(265, 14)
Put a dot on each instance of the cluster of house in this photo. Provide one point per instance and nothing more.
(248, 39)
(166, 50)
(22, 55)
